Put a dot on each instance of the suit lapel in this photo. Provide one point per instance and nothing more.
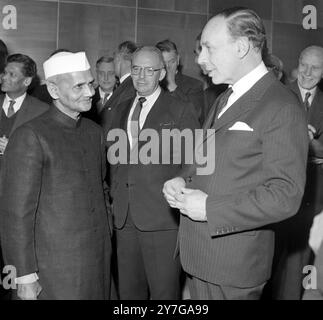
(1, 103)
(155, 113)
(246, 102)
(22, 115)
(296, 90)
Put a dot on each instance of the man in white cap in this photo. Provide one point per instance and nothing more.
(54, 222)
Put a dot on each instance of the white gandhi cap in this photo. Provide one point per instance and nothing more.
(65, 62)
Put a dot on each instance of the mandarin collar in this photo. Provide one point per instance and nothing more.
(64, 119)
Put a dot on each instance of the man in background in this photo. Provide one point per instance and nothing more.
(125, 90)
(145, 226)
(17, 107)
(293, 252)
(106, 84)
(180, 85)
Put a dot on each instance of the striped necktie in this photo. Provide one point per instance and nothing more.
(11, 110)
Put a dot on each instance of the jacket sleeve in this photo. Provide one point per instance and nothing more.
(21, 186)
(278, 196)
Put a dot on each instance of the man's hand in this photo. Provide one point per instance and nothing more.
(316, 233)
(171, 188)
(29, 291)
(3, 144)
(311, 132)
(192, 203)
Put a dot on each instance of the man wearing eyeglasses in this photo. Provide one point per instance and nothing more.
(146, 227)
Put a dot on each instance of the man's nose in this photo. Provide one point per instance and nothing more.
(89, 91)
(142, 73)
(308, 70)
(201, 57)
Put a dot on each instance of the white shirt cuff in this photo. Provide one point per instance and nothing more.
(29, 278)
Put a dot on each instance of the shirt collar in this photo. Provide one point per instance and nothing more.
(18, 100)
(152, 97)
(247, 81)
(304, 91)
(124, 77)
(103, 93)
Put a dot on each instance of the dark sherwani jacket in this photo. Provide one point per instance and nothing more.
(53, 212)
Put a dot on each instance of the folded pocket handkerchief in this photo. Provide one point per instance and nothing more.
(242, 126)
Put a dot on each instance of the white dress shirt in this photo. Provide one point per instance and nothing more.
(16, 106)
(146, 107)
(304, 91)
(102, 94)
(244, 84)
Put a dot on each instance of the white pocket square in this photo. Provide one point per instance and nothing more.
(242, 126)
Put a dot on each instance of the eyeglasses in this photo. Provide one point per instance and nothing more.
(148, 71)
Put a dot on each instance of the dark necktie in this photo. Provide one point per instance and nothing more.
(134, 124)
(306, 101)
(222, 103)
(11, 110)
(105, 99)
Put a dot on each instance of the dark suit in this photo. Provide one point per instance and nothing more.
(210, 95)
(123, 92)
(30, 108)
(258, 179)
(189, 90)
(139, 206)
(292, 250)
(53, 211)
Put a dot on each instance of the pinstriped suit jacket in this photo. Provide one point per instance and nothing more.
(258, 179)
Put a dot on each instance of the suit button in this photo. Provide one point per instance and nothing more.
(93, 210)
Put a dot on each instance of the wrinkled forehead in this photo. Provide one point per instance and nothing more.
(314, 57)
(146, 59)
(15, 66)
(74, 78)
(105, 66)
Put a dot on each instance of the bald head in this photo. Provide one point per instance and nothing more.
(310, 67)
(147, 69)
(151, 51)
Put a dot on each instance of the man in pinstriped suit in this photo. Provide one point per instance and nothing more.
(259, 135)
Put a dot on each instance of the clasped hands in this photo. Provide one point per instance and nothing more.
(190, 202)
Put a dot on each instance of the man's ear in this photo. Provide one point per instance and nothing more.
(52, 89)
(243, 46)
(27, 81)
(162, 74)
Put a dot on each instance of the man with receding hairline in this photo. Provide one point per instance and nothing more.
(259, 132)
(293, 251)
(145, 226)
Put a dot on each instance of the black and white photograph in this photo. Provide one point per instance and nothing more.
(161, 150)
